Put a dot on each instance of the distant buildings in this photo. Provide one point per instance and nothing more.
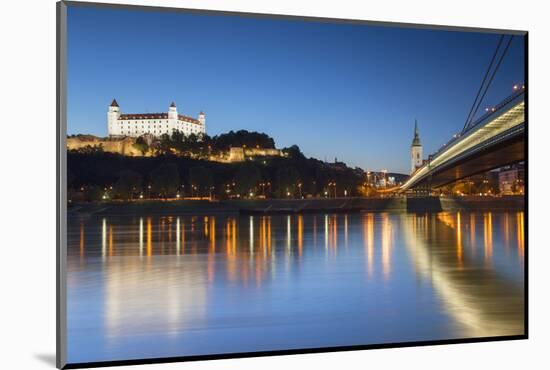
(155, 124)
(510, 180)
(384, 179)
(416, 150)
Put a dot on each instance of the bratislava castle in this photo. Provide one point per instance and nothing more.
(156, 124)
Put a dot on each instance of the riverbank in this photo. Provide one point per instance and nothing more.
(274, 206)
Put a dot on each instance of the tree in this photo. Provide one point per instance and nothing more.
(90, 150)
(141, 145)
(164, 145)
(287, 181)
(366, 190)
(484, 187)
(94, 193)
(192, 143)
(246, 178)
(294, 152)
(281, 174)
(201, 179)
(242, 138)
(127, 184)
(460, 187)
(165, 179)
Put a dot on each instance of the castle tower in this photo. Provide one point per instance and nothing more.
(112, 118)
(173, 111)
(202, 118)
(416, 150)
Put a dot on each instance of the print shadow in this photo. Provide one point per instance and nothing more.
(47, 358)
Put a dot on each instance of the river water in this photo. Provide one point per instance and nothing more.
(160, 286)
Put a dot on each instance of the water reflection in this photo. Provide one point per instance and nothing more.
(488, 236)
(149, 237)
(459, 238)
(483, 301)
(386, 245)
(81, 250)
(380, 277)
(368, 241)
(520, 234)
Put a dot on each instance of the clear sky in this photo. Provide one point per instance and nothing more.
(336, 90)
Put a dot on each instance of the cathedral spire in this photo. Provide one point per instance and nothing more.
(416, 139)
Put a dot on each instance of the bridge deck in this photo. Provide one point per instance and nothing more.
(492, 131)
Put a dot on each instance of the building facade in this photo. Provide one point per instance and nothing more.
(511, 180)
(155, 124)
(416, 150)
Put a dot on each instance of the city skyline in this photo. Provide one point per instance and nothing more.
(335, 90)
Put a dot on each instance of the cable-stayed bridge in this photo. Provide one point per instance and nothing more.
(494, 140)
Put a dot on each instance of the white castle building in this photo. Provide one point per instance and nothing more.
(156, 124)
(416, 150)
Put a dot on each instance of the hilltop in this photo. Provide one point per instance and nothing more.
(238, 164)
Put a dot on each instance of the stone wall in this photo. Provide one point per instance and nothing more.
(124, 146)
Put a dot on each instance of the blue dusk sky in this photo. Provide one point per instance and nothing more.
(336, 90)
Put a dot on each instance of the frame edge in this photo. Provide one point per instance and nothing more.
(61, 196)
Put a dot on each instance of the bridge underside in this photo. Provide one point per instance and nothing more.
(502, 154)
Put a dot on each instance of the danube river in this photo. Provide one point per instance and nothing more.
(157, 286)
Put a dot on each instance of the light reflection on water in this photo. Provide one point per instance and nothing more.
(173, 286)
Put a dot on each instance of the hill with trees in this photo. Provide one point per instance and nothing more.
(94, 174)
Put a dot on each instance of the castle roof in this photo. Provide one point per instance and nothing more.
(139, 116)
(143, 116)
(114, 103)
(181, 117)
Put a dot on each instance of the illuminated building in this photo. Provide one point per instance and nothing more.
(156, 124)
(510, 180)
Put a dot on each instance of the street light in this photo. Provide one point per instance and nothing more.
(333, 184)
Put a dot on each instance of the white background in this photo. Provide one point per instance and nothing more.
(27, 182)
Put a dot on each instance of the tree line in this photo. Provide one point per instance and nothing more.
(94, 175)
(203, 145)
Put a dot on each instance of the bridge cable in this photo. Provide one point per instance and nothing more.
(492, 76)
(483, 82)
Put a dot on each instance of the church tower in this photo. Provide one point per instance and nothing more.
(416, 150)
(112, 118)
